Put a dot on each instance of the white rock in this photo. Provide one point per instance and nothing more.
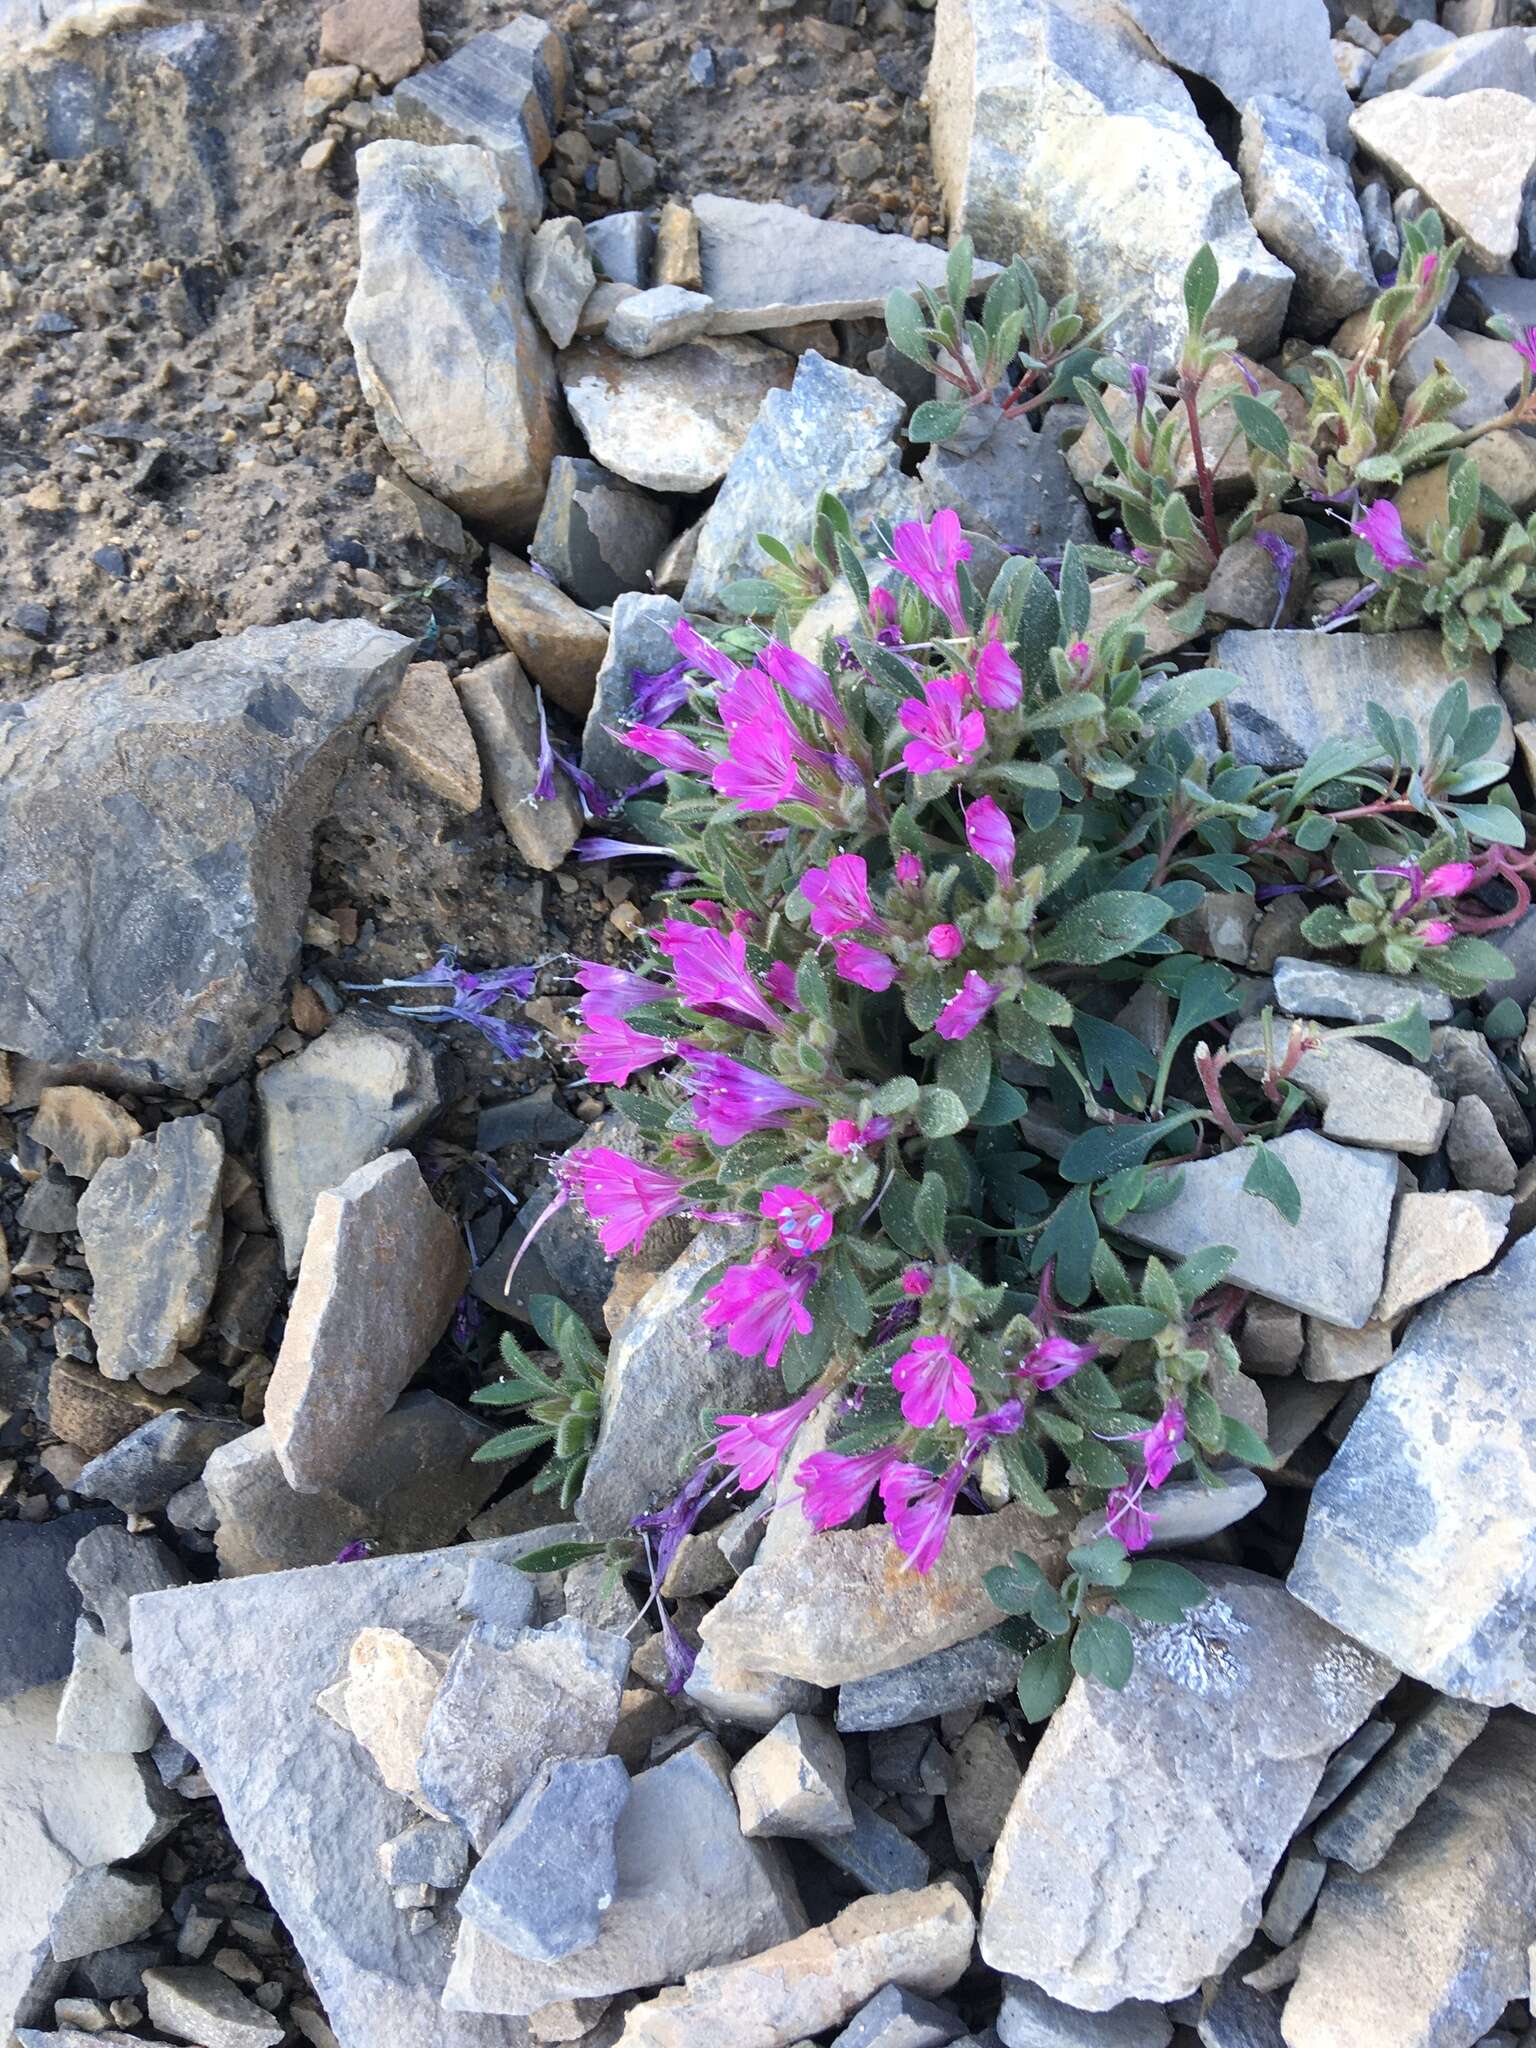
(103, 1708)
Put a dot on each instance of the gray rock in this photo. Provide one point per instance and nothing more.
(358, 1091)
(1438, 1239)
(1187, 1512)
(1294, 1894)
(1376, 1809)
(383, 1266)
(1366, 1096)
(983, 1784)
(152, 1228)
(414, 1486)
(1314, 988)
(1496, 56)
(597, 535)
(622, 243)
(832, 430)
(744, 1696)
(103, 1710)
(768, 266)
(1462, 1063)
(102, 1907)
(464, 394)
(1421, 46)
(49, 1205)
(898, 2018)
(644, 323)
(1298, 689)
(199, 2003)
(559, 278)
(542, 1886)
(250, 1288)
(430, 1852)
(1284, 52)
(1346, 1764)
(1416, 1540)
(1381, 230)
(1432, 1944)
(487, 93)
(235, 1667)
(144, 1470)
(1240, 2016)
(60, 1812)
(968, 1674)
(1055, 130)
(1302, 202)
(691, 1891)
(39, 1602)
(875, 1853)
(503, 713)
(508, 1705)
(674, 422)
(1224, 1728)
(1469, 158)
(1330, 1264)
(793, 1782)
(1031, 2019)
(108, 1567)
(639, 643)
(1015, 488)
(500, 1597)
(1479, 1156)
(205, 772)
(662, 1370)
(1335, 1354)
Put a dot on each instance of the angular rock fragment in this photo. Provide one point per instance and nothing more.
(1462, 1063)
(1438, 1239)
(898, 2018)
(1213, 1811)
(199, 2003)
(1367, 1097)
(559, 278)
(464, 393)
(504, 714)
(673, 422)
(1469, 156)
(495, 92)
(381, 36)
(621, 243)
(102, 1710)
(108, 1567)
(82, 1129)
(745, 1697)
(39, 1601)
(147, 1468)
(984, 1781)
(666, 316)
(431, 1852)
(968, 1674)
(597, 535)
(875, 1853)
(639, 643)
(1303, 205)
(542, 1886)
(793, 1782)
(1284, 51)
(424, 727)
(1015, 488)
(1031, 2019)
(383, 1266)
(559, 644)
(102, 1908)
(1479, 1157)
(1418, 1536)
(1316, 988)
(1376, 1809)
(386, 1697)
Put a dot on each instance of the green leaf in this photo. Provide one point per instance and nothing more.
(1099, 1465)
(905, 325)
(1239, 1441)
(1104, 927)
(1013, 1587)
(1129, 1321)
(1410, 1032)
(1004, 1104)
(510, 1393)
(513, 1443)
(813, 989)
(1505, 1020)
(1021, 1458)
(1103, 1648)
(940, 1113)
(959, 271)
(1202, 1271)
(1070, 1237)
(1045, 1677)
(1073, 594)
(1102, 1562)
(1114, 1055)
(1110, 1148)
(930, 1213)
(1200, 282)
(895, 1097)
(1270, 1177)
(937, 419)
(1491, 822)
(965, 1068)
(557, 1557)
(1176, 703)
(1159, 1591)
(1262, 425)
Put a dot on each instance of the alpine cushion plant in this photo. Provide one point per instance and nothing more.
(918, 882)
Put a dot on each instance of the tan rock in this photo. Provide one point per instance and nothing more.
(984, 1779)
(390, 1687)
(847, 1606)
(794, 1782)
(1470, 157)
(81, 1128)
(381, 36)
(93, 1413)
(318, 154)
(1506, 462)
(1111, 597)
(919, 1940)
(1219, 433)
(327, 86)
(677, 248)
(560, 645)
(1335, 1354)
(382, 1268)
(425, 728)
(503, 718)
(1437, 1239)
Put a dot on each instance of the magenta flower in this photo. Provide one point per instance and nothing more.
(754, 1445)
(614, 991)
(864, 965)
(999, 684)
(882, 608)
(612, 1050)
(915, 1282)
(671, 749)
(835, 1488)
(696, 650)
(1125, 1517)
(713, 976)
(1437, 931)
(963, 1012)
(1162, 1444)
(1139, 381)
(839, 896)
(1524, 345)
(989, 835)
(1451, 878)
(945, 941)
(844, 1135)
(918, 1506)
(1053, 1360)
(929, 557)
(780, 984)
(731, 1100)
(654, 696)
(623, 1195)
(805, 682)
(804, 1224)
(932, 1379)
(760, 771)
(1381, 528)
(909, 870)
(945, 736)
(760, 1307)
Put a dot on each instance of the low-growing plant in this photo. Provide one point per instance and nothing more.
(923, 1020)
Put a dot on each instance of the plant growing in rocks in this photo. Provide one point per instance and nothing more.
(886, 1027)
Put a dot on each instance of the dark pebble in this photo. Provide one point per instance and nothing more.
(112, 560)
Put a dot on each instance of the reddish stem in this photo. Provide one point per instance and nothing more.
(1208, 1066)
(1189, 391)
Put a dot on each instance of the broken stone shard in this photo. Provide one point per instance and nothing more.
(542, 1886)
(1469, 156)
(793, 1782)
(673, 422)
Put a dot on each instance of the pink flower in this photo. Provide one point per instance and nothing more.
(671, 749)
(1125, 1517)
(731, 1100)
(625, 1196)
(909, 870)
(834, 1488)
(963, 1012)
(918, 1506)
(1438, 931)
(864, 965)
(945, 736)
(932, 1380)
(1162, 1444)
(929, 556)
(915, 1282)
(998, 682)
(614, 991)
(613, 1050)
(1524, 345)
(804, 1224)
(713, 976)
(760, 1307)
(754, 1445)
(945, 941)
(805, 682)
(882, 608)
(989, 835)
(780, 984)
(839, 896)
(1453, 878)
(759, 772)
(697, 651)
(1053, 1360)
(1381, 528)
(844, 1135)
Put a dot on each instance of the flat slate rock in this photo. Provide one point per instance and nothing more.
(542, 1886)
(155, 830)
(234, 1666)
(144, 1470)
(673, 422)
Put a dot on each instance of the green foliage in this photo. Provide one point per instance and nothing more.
(562, 1398)
(1081, 1632)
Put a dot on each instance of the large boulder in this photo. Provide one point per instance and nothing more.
(155, 838)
